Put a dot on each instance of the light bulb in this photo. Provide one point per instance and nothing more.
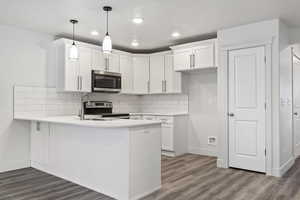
(107, 44)
(73, 52)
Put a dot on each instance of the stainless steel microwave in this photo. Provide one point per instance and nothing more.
(103, 81)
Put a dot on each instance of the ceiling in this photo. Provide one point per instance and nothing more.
(194, 19)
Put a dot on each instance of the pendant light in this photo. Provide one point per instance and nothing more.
(107, 44)
(73, 53)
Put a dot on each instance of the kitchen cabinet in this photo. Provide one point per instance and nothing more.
(163, 78)
(84, 69)
(113, 63)
(183, 59)
(73, 75)
(126, 69)
(157, 73)
(39, 140)
(141, 74)
(172, 82)
(98, 59)
(197, 55)
(173, 132)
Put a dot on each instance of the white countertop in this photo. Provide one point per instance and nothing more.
(160, 114)
(74, 120)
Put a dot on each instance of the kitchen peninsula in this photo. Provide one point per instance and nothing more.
(120, 158)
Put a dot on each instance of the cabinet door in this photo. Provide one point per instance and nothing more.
(98, 61)
(114, 63)
(126, 70)
(71, 82)
(39, 143)
(157, 63)
(141, 75)
(204, 56)
(85, 69)
(172, 82)
(182, 59)
(167, 138)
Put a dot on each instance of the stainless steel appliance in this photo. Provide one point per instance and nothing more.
(101, 110)
(103, 81)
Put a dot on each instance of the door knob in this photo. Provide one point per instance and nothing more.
(230, 114)
(295, 113)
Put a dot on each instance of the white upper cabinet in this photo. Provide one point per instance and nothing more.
(172, 82)
(157, 71)
(85, 71)
(98, 59)
(141, 74)
(73, 75)
(68, 70)
(126, 69)
(195, 55)
(163, 78)
(113, 63)
(183, 59)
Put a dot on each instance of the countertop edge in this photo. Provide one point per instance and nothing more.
(46, 119)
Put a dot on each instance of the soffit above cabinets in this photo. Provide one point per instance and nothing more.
(191, 18)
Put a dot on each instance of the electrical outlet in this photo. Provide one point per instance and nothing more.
(212, 140)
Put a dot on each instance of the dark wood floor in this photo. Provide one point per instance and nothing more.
(188, 177)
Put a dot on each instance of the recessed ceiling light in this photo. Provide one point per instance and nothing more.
(175, 34)
(134, 43)
(95, 33)
(137, 20)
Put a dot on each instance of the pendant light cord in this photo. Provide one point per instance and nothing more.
(73, 34)
(106, 22)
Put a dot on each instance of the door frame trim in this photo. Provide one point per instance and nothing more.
(223, 151)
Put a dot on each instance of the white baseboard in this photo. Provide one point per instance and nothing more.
(146, 193)
(221, 164)
(168, 153)
(202, 151)
(13, 165)
(279, 172)
(297, 150)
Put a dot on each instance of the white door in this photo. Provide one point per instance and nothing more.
(114, 63)
(141, 75)
(247, 109)
(126, 70)
(85, 69)
(296, 108)
(204, 56)
(157, 64)
(182, 59)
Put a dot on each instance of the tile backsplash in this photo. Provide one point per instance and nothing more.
(167, 103)
(40, 101)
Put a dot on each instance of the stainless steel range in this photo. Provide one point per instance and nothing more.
(101, 110)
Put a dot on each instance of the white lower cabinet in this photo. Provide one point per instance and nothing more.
(173, 132)
(39, 143)
(167, 134)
